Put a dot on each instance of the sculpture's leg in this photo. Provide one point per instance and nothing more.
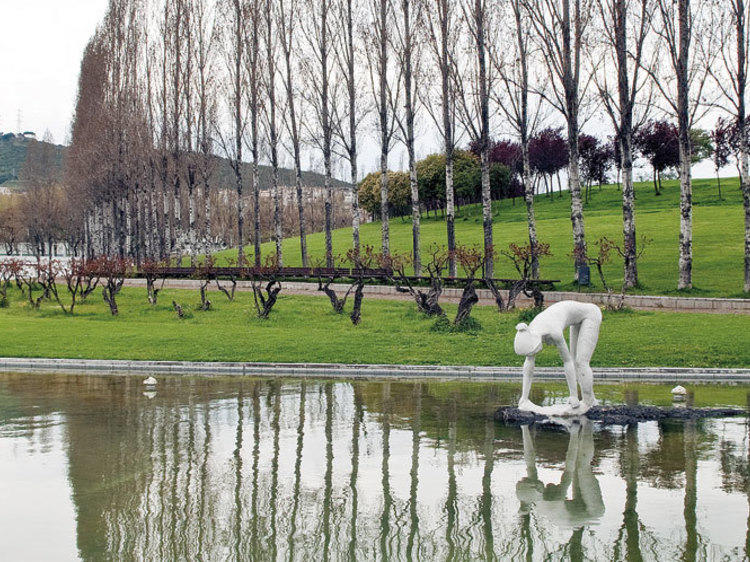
(574, 345)
(588, 335)
(528, 374)
(570, 372)
(570, 460)
(529, 453)
(588, 488)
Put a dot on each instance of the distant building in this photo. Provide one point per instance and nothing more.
(30, 135)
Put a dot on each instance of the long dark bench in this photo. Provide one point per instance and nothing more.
(293, 273)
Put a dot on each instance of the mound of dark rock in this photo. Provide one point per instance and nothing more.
(619, 415)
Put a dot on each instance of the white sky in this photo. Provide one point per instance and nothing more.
(41, 44)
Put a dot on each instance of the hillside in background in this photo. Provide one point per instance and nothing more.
(718, 234)
(13, 154)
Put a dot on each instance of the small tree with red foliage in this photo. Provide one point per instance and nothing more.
(658, 142)
(33, 277)
(596, 160)
(548, 152)
(722, 136)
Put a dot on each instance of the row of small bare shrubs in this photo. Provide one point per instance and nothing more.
(70, 283)
(39, 281)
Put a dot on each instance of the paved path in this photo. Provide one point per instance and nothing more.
(639, 302)
(325, 371)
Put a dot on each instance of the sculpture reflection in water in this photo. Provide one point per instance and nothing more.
(551, 500)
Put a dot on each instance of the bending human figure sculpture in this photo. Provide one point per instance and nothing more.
(584, 320)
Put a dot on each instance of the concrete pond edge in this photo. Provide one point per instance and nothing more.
(345, 371)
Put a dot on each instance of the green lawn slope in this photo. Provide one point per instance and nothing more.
(717, 231)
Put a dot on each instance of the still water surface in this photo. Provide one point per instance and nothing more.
(215, 469)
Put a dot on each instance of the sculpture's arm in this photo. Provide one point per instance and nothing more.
(528, 374)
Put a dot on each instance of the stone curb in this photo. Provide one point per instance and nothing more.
(640, 302)
(335, 370)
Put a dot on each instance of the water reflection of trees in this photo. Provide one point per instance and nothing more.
(308, 470)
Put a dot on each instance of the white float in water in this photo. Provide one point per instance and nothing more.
(679, 393)
(151, 381)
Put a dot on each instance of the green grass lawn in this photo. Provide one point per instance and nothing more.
(717, 236)
(305, 329)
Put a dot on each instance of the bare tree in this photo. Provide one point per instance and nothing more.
(513, 98)
(42, 205)
(560, 26)
(441, 29)
(626, 25)
(105, 164)
(473, 104)
(165, 219)
(252, 63)
(682, 91)
(176, 24)
(269, 33)
(190, 142)
(378, 40)
(733, 40)
(319, 68)
(203, 19)
(287, 24)
(408, 57)
(236, 14)
(351, 113)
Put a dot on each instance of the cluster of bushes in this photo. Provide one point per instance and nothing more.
(467, 184)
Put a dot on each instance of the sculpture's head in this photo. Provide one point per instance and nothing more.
(527, 341)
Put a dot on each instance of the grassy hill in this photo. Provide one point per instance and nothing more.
(717, 236)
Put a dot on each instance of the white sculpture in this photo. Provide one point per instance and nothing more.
(584, 320)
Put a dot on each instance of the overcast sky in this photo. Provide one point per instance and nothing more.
(41, 44)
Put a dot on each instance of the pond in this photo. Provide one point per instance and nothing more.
(97, 467)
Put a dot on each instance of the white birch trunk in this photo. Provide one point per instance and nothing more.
(489, 264)
(528, 195)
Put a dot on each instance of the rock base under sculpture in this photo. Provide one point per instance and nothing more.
(615, 415)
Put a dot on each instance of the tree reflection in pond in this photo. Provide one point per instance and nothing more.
(303, 470)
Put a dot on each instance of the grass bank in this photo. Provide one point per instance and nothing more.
(718, 236)
(305, 329)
